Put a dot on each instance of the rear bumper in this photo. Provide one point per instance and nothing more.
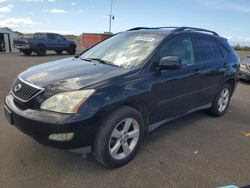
(244, 75)
(41, 124)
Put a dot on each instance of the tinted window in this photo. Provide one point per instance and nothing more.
(59, 37)
(207, 50)
(39, 35)
(181, 47)
(225, 52)
(51, 36)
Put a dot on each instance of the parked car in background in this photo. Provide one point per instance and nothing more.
(106, 98)
(245, 69)
(41, 42)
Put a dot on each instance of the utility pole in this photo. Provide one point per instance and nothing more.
(111, 17)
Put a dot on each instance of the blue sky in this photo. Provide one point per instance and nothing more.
(230, 18)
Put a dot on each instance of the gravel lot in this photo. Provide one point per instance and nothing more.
(195, 151)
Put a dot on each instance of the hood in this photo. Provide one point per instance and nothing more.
(70, 74)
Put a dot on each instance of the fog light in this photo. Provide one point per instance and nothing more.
(62, 137)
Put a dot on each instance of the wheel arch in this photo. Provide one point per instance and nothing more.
(41, 44)
(71, 44)
(142, 107)
(231, 82)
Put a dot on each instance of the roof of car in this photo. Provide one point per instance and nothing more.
(44, 33)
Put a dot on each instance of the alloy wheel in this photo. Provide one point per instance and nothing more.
(124, 138)
(223, 100)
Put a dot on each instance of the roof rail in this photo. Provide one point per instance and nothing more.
(139, 28)
(195, 29)
(176, 29)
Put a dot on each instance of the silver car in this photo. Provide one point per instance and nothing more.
(245, 69)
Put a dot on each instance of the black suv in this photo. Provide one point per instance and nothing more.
(106, 98)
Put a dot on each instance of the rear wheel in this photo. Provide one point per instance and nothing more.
(119, 137)
(221, 101)
(27, 52)
(72, 50)
(41, 50)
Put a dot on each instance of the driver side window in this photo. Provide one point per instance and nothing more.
(181, 47)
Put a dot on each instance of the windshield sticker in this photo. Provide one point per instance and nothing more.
(147, 39)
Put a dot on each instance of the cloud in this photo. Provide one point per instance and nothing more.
(73, 4)
(37, 1)
(6, 9)
(34, 0)
(1, 1)
(15, 22)
(57, 11)
(239, 6)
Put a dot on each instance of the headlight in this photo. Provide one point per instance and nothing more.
(242, 66)
(67, 102)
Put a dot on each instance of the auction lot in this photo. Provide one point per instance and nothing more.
(195, 151)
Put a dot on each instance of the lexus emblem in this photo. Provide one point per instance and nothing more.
(17, 87)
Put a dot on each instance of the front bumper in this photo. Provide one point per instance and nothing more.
(244, 75)
(41, 124)
(22, 47)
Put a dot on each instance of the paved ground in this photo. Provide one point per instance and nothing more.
(195, 151)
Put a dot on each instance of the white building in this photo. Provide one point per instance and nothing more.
(6, 40)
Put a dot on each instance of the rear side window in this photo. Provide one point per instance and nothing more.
(39, 36)
(224, 51)
(208, 50)
(182, 47)
(51, 36)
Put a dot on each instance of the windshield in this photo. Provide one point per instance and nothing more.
(126, 50)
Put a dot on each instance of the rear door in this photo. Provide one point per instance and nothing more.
(51, 41)
(177, 90)
(212, 68)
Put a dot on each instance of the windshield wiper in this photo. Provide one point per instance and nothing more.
(100, 61)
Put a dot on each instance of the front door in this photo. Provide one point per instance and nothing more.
(177, 90)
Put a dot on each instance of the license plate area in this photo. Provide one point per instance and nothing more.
(8, 115)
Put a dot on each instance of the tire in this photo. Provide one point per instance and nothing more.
(41, 50)
(58, 52)
(221, 101)
(71, 50)
(110, 135)
(27, 52)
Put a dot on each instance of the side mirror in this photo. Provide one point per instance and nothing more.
(170, 63)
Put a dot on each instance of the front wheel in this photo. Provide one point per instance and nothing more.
(27, 52)
(119, 137)
(221, 101)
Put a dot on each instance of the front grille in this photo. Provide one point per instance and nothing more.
(24, 91)
(19, 42)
